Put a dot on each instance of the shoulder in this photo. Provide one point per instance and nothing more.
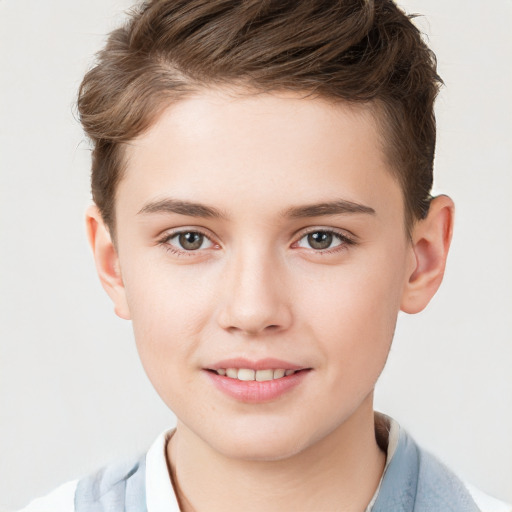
(415, 479)
(114, 483)
(61, 499)
(437, 480)
(487, 503)
(117, 484)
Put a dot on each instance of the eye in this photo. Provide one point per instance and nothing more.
(189, 241)
(322, 240)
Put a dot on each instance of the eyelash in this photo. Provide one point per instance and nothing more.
(164, 242)
(344, 239)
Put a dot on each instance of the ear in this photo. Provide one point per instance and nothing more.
(431, 239)
(107, 261)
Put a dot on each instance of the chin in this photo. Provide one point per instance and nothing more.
(258, 444)
(260, 451)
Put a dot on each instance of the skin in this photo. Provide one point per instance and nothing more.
(256, 288)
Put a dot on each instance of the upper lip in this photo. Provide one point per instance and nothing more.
(268, 363)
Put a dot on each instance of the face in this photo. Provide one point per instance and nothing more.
(260, 236)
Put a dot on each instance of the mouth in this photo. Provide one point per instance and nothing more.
(256, 382)
(248, 374)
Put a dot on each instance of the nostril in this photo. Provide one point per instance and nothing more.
(254, 316)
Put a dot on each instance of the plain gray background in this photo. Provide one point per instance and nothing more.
(72, 392)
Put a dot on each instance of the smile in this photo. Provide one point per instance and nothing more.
(255, 382)
(247, 374)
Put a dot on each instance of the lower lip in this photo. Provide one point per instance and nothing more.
(257, 392)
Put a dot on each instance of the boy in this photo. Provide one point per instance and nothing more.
(261, 178)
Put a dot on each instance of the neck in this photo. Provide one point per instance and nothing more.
(339, 472)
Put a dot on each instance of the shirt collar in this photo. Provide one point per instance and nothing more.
(160, 496)
(387, 431)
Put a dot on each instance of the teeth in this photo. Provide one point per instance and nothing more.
(262, 375)
(247, 374)
(232, 373)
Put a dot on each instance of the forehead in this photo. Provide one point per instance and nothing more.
(259, 149)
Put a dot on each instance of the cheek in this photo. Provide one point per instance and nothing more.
(353, 311)
(165, 296)
(169, 308)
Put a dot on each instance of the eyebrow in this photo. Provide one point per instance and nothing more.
(341, 206)
(182, 208)
(190, 209)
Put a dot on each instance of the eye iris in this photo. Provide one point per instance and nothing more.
(320, 240)
(191, 241)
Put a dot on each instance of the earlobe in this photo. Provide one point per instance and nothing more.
(430, 244)
(107, 261)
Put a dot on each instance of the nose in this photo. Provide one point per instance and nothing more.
(255, 296)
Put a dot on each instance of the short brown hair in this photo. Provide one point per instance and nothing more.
(365, 51)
